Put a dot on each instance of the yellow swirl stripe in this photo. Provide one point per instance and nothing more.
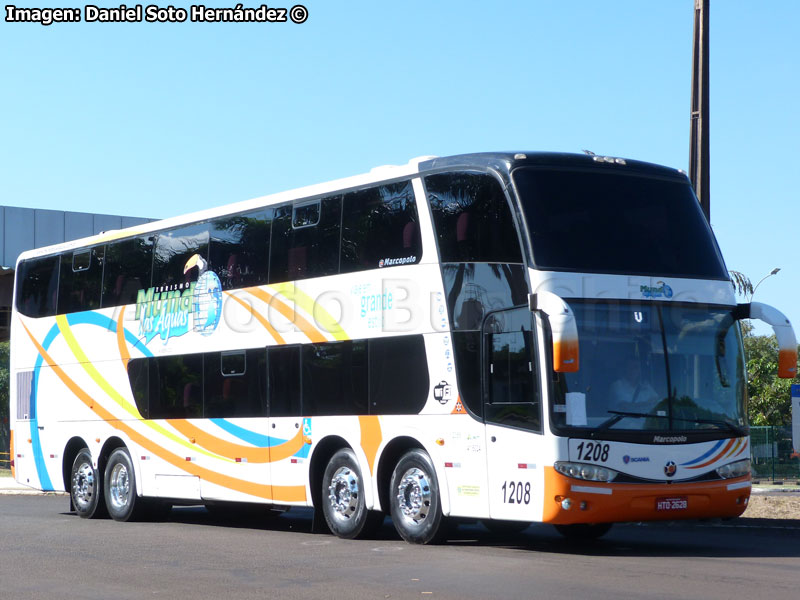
(307, 328)
(312, 307)
(72, 343)
(289, 493)
(259, 317)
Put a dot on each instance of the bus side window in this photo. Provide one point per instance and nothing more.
(335, 378)
(128, 265)
(283, 365)
(37, 290)
(81, 282)
(379, 226)
(305, 240)
(173, 251)
(398, 375)
(473, 219)
(239, 249)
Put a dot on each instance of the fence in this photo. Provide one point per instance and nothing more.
(772, 455)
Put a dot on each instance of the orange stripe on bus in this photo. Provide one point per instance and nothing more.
(123, 347)
(217, 446)
(306, 327)
(261, 319)
(371, 438)
(716, 458)
(290, 493)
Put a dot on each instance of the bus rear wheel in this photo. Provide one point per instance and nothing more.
(86, 489)
(415, 500)
(583, 531)
(120, 488)
(343, 502)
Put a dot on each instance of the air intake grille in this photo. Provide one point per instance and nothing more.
(24, 392)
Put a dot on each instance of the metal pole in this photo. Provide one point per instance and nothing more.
(699, 157)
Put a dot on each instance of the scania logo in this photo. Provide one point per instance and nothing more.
(670, 468)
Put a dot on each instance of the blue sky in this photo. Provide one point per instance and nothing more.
(160, 119)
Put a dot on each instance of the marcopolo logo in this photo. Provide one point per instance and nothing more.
(392, 262)
(660, 290)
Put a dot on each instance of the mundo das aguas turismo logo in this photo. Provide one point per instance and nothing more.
(170, 311)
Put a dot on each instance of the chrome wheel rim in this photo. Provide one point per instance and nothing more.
(119, 486)
(414, 496)
(343, 494)
(83, 486)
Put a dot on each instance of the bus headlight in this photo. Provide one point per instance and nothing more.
(585, 472)
(740, 468)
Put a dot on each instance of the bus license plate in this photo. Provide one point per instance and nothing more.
(679, 503)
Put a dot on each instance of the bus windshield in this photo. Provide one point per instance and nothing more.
(596, 221)
(654, 367)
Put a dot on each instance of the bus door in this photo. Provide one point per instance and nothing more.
(289, 433)
(513, 415)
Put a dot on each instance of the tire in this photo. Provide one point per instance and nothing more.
(86, 487)
(343, 502)
(583, 531)
(415, 499)
(120, 488)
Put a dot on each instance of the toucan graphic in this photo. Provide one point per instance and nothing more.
(195, 261)
(211, 307)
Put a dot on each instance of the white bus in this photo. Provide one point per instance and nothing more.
(511, 338)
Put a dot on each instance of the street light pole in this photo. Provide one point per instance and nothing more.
(699, 155)
(768, 275)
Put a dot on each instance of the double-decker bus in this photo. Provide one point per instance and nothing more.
(512, 338)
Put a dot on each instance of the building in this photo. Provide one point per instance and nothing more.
(27, 228)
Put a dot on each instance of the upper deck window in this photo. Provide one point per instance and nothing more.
(472, 218)
(601, 222)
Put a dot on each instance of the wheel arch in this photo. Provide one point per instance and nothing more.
(74, 445)
(321, 455)
(391, 455)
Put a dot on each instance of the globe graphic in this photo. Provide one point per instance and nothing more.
(207, 303)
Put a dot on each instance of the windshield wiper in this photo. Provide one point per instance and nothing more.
(619, 415)
(738, 430)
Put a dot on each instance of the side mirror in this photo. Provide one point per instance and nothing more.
(784, 333)
(563, 327)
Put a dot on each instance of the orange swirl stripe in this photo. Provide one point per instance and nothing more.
(306, 327)
(123, 347)
(261, 319)
(289, 493)
(716, 458)
(231, 450)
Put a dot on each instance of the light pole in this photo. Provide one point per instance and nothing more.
(768, 275)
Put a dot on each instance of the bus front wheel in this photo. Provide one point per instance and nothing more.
(415, 500)
(343, 502)
(86, 487)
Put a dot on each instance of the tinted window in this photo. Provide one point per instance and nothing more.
(472, 219)
(127, 270)
(513, 397)
(37, 290)
(235, 384)
(398, 375)
(475, 289)
(81, 283)
(176, 387)
(380, 228)
(301, 248)
(467, 353)
(239, 252)
(284, 381)
(174, 259)
(616, 223)
(335, 378)
(139, 376)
